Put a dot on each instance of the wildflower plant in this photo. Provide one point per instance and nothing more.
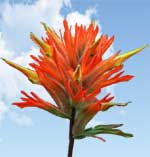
(72, 69)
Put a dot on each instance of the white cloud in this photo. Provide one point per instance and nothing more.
(85, 18)
(12, 82)
(20, 119)
(17, 21)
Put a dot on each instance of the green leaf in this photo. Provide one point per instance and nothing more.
(103, 129)
(116, 132)
(110, 126)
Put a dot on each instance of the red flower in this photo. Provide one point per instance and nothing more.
(72, 70)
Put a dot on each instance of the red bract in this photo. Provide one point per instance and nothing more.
(72, 70)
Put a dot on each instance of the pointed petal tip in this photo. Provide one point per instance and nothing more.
(43, 23)
(18, 105)
(130, 135)
(2, 58)
(14, 103)
(93, 21)
(123, 57)
(41, 44)
(32, 76)
(22, 91)
(45, 26)
(32, 36)
(5, 60)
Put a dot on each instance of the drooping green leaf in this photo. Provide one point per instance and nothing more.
(103, 129)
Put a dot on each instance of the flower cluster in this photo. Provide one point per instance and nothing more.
(72, 69)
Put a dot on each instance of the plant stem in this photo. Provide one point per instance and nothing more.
(71, 138)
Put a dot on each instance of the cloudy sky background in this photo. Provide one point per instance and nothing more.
(33, 132)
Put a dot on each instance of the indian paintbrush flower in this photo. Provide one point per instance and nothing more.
(72, 70)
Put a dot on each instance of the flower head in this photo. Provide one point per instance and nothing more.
(72, 70)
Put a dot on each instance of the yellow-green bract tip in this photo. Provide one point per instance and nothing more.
(123, 57)
(93, 21)
(32, 75)
(45, 26)
(44, 46)
(2, 58)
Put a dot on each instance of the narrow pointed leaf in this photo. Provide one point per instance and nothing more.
(110, 126)
(116, 132)
(103, 129)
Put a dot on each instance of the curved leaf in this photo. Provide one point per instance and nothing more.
(103, 129)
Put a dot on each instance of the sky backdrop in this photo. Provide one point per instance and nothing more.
(32, 132)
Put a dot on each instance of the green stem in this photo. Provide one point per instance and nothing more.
(71, 138)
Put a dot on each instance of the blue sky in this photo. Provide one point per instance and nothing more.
(33, 132)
